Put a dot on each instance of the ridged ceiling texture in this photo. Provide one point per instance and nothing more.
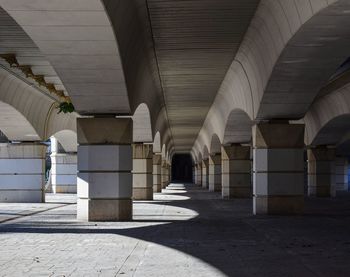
(195, 42)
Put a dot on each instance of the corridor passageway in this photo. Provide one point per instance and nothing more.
(185, 231)
(174, 138)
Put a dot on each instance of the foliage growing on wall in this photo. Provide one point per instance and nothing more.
(64, 106)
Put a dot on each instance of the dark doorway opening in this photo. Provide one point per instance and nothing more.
(181, 169)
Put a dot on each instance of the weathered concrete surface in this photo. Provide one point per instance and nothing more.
(104, 169)
(142, 168)
(181, 233)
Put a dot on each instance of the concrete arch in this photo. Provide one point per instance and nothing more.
(93, 52)
(200, 157)
(68, 140)
(79, 42)
(164, 151)
(197, 156)
(333, 132)
(328, 120)
(276, 47)
(28, 115)
(231, 126)
(168, 157)
(23, 109)
(157, 143)
(205, 153)
(58, 122)
(194, 158)
(238, 128)
(215, 145)
(142, 127)
(15, 126)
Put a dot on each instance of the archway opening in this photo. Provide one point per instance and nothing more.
(182, 168)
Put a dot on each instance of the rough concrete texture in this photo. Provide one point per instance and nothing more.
(186, 231)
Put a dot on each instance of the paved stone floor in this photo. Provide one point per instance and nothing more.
(186, 231)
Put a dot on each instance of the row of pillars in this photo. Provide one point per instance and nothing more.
(111, 170)
(107, 159)
(23, 169)
(272, 171)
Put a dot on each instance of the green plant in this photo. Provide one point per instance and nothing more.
(65, 107)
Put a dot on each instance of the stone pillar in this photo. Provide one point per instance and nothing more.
(236, 172)
(205, 173)
(278, 168)
(199, 173)
(164, 172)
(104, 169)
(157, 174)
(22, 172)
(341, 173)
(215, 172)
(195, 180)
(169, 173)
(321, 172)
(142, 171)
(196, 177)
(63, 170)
(194, 174)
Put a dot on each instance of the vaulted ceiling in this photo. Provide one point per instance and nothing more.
(195, 42)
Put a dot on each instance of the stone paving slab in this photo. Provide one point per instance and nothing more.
(184, 232)
(10, 211)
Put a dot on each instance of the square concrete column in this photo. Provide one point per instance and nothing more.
(199, 174)
(195, 180)
(64, 172)
(341, 173)
(22, 172)
(215, 172)
(278, 168)
(205, 173)
(236, 172)
(169, 173)
(157, 174)
(104, 169)
(164, 171)
(63, 169)
(194, 174)
(321, 172)
(142, 171)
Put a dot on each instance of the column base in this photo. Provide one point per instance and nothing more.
(64, 188)
(21, 196)
(157, 188)
(142, 193)
(278, 205)
(104, 209)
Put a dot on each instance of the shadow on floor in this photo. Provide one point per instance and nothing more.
(227, 236)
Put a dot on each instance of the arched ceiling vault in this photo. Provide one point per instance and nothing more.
(27, 114)
(78, 41)
(106, 68)
(328, 120)
(193, 54)
(313, 53)
(288, 54)
(268, 61)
